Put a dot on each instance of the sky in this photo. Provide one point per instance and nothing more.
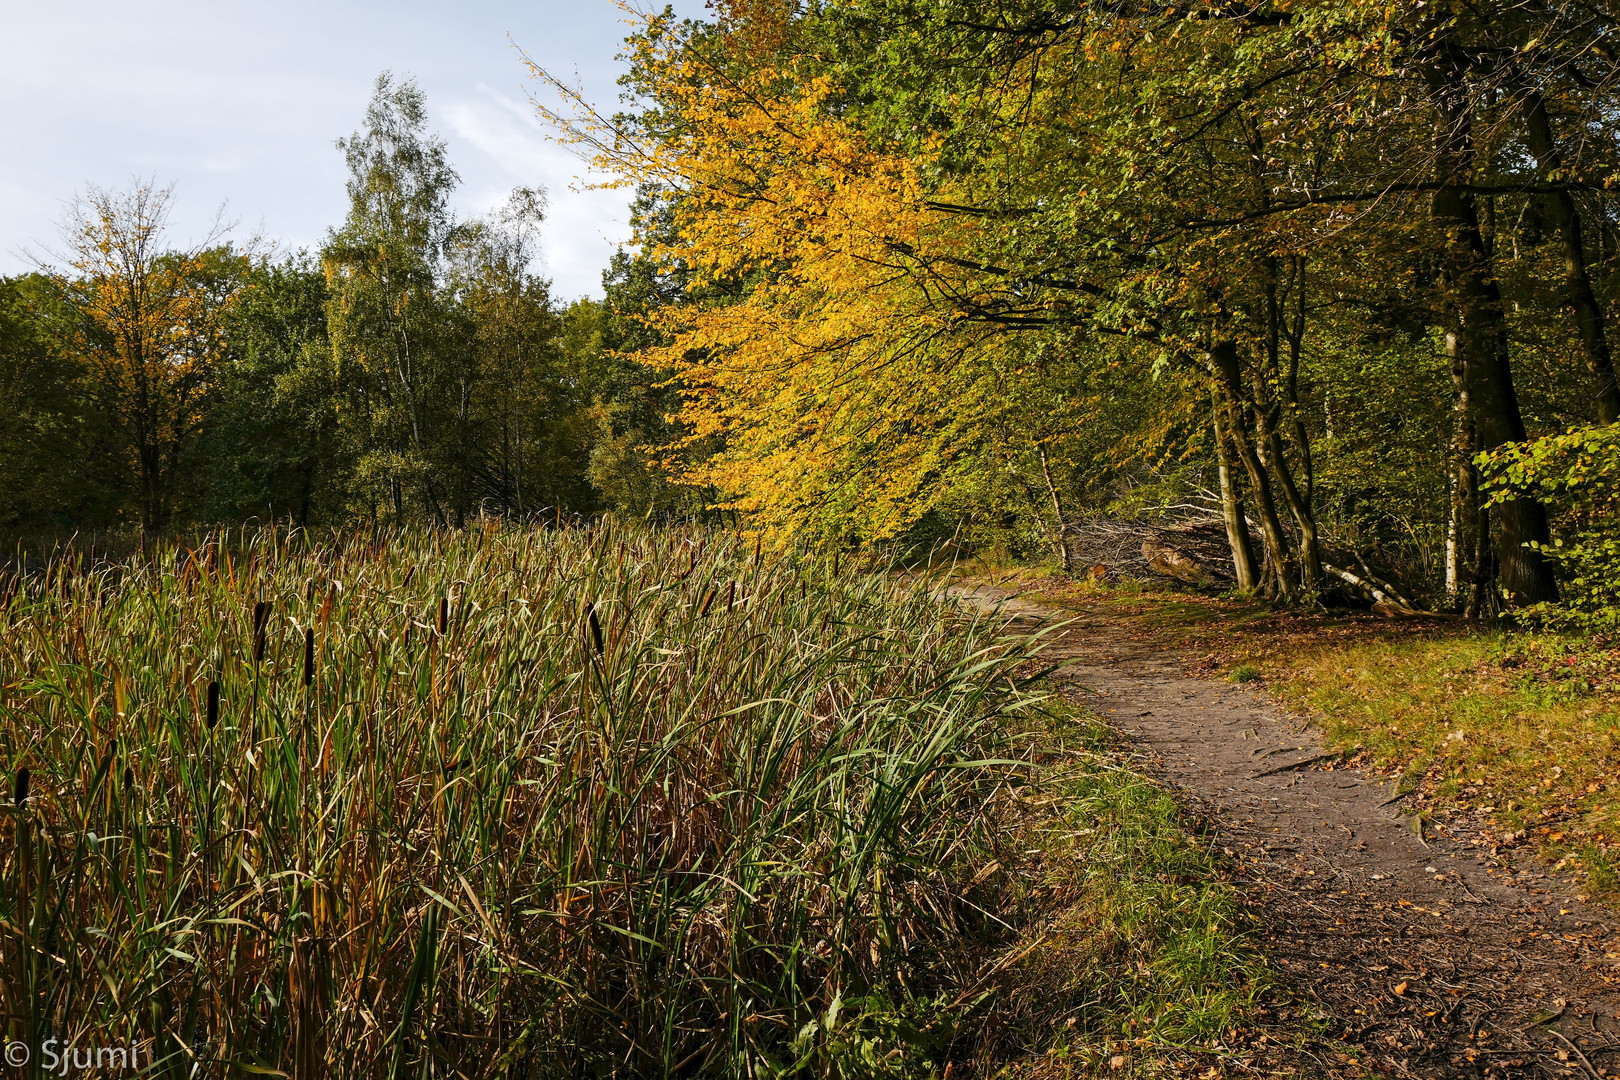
(237, 104)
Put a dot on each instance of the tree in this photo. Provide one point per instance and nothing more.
(898, 220)
(522, 423)
(53, 461)
(270, 447)
(149, 331)
(396, 341)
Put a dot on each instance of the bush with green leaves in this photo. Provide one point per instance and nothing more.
(1577, 474)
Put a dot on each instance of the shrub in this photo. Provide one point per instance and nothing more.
(1578, 475)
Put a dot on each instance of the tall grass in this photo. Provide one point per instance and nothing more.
(498, 802)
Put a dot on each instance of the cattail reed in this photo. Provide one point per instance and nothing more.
(261, 627)
(692, 785)
(19, 791)
(595, 628)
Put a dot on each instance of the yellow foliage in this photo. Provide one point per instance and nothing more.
(150, 329)
(844, 378)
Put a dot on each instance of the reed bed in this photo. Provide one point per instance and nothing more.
(609, 801)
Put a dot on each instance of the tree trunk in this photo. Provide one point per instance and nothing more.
(1269, 444)
(1232, 513)
(1057, 509)
(1466, 532)
(1475, 309)
(1561, 209)
(1294, 335)
(1223, 363)
(1453, 536)
(1268, 383)
(1310, 549)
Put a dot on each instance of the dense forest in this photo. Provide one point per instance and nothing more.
(414, 369)
(1343, 274)
(1338, 277)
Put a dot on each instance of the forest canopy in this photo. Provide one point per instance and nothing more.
(1327, 266)
(1337, 278)
(414, 369)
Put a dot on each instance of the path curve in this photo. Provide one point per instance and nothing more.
(1408, 948)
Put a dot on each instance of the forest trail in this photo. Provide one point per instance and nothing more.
(1432, 960)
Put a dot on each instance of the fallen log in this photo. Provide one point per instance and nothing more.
(1174, 563)
(1386, 601)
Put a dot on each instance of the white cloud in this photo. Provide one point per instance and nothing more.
(584, 225)
(241, 102)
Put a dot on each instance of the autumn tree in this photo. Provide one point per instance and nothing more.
(905, 219)
(149, 330)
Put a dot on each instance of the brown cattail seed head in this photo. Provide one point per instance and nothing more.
(309, 656)
(261, 623)
(707, 600)
(19, 794)
(213, 703)
(731, 595)
(444, 613)
(129, 779)
(596, 628)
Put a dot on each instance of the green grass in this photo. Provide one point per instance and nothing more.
(1470, 733)
(1137, 947)
(603, 802)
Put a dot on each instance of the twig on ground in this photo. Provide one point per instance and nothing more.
(1593, 1073)
(1550, 1017)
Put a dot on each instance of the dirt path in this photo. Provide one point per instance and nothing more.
(1418, 951)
